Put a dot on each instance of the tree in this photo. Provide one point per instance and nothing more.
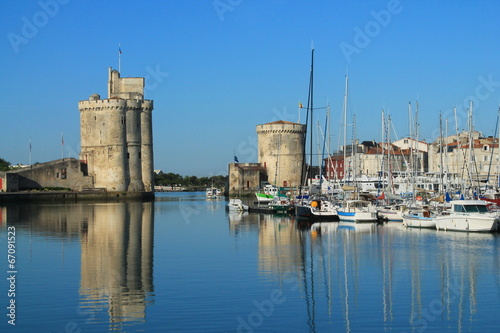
(4, 165)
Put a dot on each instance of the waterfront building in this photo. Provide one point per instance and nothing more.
(281, 151)
(116, 136)
(373, 159)
(467, 156)
(116, 146)
(280, 156)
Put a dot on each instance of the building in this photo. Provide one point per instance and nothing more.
(245, 178)
(372, 159)
(116, 146)
(281, 151)
(280, 156)
(477, 161)
(116, 136)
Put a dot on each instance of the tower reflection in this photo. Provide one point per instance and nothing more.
(117, 259)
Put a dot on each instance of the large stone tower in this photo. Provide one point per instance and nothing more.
(281, 151)
(116, 136)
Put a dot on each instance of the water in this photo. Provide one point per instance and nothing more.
(185, 264)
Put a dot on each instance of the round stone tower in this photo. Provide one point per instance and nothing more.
(147, 145)
(133, 119)
(281, 151)
(103, 141)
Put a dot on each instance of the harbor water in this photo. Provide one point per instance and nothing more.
(186, 264)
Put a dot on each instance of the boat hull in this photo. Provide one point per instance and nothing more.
(357, 217)
(264, 198)
(390, 216)
(419, 222)
(305, 212)
(467, 223)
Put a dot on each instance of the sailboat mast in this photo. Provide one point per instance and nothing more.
(311, 107)
(303, 176)
(441, 147)
(345, 124)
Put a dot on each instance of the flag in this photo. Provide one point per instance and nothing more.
(119, 50)
(300, 105)
(236, 159)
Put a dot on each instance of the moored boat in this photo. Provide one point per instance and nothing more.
(357, 211)
(267, 194)
(237, 205)
(468, 215)
(419, 218)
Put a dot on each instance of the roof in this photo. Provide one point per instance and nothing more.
(281, 122)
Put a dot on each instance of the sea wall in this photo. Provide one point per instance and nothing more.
(72, 197)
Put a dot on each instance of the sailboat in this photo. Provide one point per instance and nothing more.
(354, 210)
(316, 206)
(418, 215)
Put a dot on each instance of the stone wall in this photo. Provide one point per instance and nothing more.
(64, 173)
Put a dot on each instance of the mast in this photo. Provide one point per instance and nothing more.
(410, 168)
(389, 162)
(345, 124)
(417, 134)
(441, 149)
(311, 108)
(303, 177)
(491, 156)
(458, 149)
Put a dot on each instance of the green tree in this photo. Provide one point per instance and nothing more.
(4, 165)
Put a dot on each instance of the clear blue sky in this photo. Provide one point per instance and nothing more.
(216, 69)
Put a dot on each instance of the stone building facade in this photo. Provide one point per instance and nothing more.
(116, 136)
(280, 156)
(281, 152)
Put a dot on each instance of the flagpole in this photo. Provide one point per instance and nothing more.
(29, 160)
(62, 145)
(119, 58)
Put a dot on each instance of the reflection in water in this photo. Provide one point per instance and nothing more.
(351, 269)
(116, 252)
(117, 260)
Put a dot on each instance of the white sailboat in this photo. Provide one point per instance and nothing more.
(357, 211)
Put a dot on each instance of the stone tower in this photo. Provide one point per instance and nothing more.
(281, 151)
(116, 136)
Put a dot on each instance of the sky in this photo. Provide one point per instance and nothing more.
(217, 68)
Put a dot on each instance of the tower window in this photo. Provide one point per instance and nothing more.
(128, 155)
